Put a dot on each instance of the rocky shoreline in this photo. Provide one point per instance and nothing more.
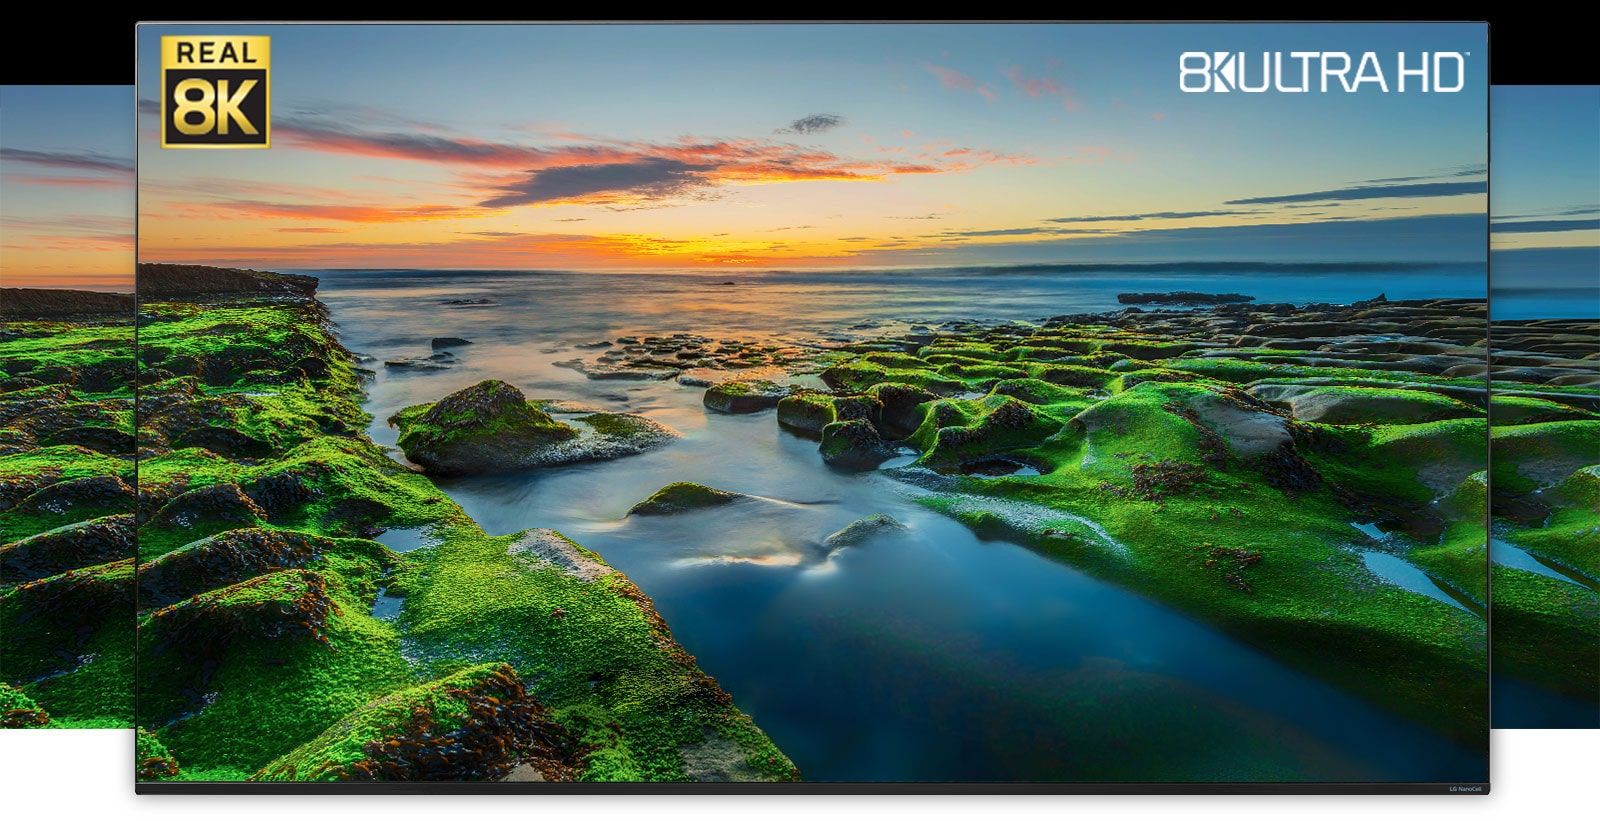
(1243, 462)
(269, 652)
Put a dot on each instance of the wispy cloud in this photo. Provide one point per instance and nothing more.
(1545, 226)
(77, 161)
(1476, 170)
(347, 213)
(83, 169)
(652, 178)
(69, 232)
(1370, 192)
(1041, 86)
(950, 78)
(813, 124)
(1155, 215)
(1580, 211)
(621, 173)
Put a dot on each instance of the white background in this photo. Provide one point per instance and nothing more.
(47, 774)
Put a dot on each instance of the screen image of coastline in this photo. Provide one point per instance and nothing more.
(1545, 440)
(992, 404)
(66, 407)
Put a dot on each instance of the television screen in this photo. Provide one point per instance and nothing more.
(1017, 406)
(1546, 414)
(66, 406)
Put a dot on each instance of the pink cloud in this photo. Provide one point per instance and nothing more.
(950, 78)
(1041, 86)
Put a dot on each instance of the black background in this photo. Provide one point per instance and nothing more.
(1531, 46)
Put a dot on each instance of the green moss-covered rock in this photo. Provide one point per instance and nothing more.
(744, 396)
(19, 711)
(237, 555)
(487, 428)
(153, 762)
(901, 407)
(680, 497)
(478, 724)
(491, 427)
(1353, 406)
(806, 413)
(80, 544)
(862, 530)
(853, 445)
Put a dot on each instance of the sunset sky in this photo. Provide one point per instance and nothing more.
(695, 147)
(66, 187)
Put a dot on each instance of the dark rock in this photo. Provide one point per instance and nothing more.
(442, 342)
(224, 442)
(81, 544)
(861, 530)
(900, 407)
(1182, 298)
(853, 445)
(95, 493)
(679, 497)
(225, 559)
(224, 502)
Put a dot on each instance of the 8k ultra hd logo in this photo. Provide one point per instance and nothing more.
(1301, 72)
(214, 92)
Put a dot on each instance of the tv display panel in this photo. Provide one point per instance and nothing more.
(1546, 432)
(1042, 407)
(66, 406)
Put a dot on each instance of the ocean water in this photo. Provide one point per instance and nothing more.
(926, 654)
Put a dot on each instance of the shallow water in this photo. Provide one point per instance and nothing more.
(1401, 573)
(1506, 554)
(925, 654)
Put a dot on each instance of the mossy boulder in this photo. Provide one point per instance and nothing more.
(805, 413)
(153, 762)
(492, 428)
(236, 555)
(1354, 405)
(80, 544)
(224, 503)
(680, 497)
(1522, 410)
(79, 496)
(862, 530)
(64, 613)
(487, 428)
(745, 396)
(901, 407)
(478, 724)
(853, 444)
(17, 710)
(1012, 424)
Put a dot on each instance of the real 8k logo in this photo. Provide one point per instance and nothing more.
(215, 92)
